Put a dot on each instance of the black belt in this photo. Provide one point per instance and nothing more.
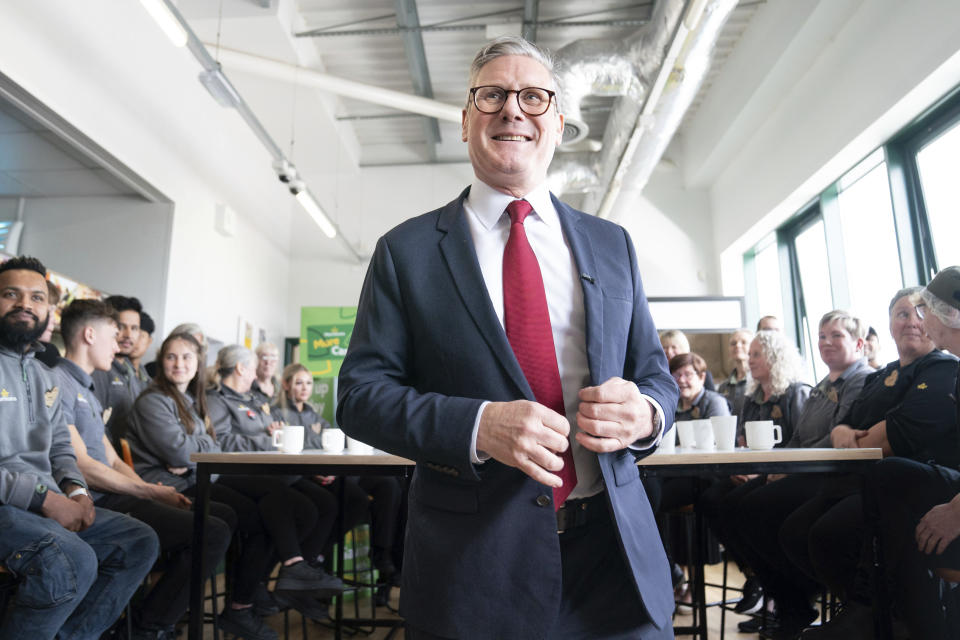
(576, 513)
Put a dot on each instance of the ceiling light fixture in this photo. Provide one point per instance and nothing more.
(310, 205)
(167, 21)
(220, 88)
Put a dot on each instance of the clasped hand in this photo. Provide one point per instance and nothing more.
(532, 438)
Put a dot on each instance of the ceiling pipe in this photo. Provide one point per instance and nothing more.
(684, 67)
(263, 67)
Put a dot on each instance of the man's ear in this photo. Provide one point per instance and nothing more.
(463, 125)
(89, 334)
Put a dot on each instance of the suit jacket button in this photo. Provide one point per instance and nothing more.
(543, 501)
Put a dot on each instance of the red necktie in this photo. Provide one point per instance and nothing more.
(527, 321)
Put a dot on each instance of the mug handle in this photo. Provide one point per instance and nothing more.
(777, 434)
(279, 434)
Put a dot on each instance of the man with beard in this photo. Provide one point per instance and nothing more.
(77, 565)
(118, 388)
(144, 342)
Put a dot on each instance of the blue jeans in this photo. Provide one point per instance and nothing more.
(72, 585)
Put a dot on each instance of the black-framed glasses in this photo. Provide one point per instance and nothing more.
(921, 309)
(533, 101)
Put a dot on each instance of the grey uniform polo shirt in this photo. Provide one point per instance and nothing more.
(117, 390)
(827, 404)
(82, 409)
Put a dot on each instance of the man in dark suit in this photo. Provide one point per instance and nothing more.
(504, 343)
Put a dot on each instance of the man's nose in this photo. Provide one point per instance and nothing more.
(511, 108)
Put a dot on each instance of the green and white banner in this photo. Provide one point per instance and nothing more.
(324, 337)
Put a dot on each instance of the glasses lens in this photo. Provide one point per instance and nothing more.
(489, 99)
(533, 101)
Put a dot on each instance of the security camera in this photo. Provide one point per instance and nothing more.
(285, 171)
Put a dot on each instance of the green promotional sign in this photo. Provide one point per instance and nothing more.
(324, 337)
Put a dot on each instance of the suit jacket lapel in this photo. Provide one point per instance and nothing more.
(458, 251)
(582, 248)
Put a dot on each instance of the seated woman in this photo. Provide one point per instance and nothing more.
(242, 425)
(696, 402)
(735, 385)
(907, 410)
(381, 495)
(266, 386)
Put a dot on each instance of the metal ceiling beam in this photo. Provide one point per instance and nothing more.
(392, 31)
(531, 9)
(409, 20)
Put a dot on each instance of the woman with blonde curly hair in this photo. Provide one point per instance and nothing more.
(775, 391)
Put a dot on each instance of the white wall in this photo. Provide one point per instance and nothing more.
(118, 245)
(800, 105)
(107, 69)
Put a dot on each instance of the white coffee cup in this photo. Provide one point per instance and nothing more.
(333, 440)
(763, 434)
(685, 431)
(358, 448)
(289, 439)
(724, 432)
(668, 443)
(703, 435)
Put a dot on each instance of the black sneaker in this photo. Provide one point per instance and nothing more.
(854, 622)
(263, 603)
(757, 625)
(302, 577)
(752, 598)
(246, 624)
(306, 604)
(791, 624)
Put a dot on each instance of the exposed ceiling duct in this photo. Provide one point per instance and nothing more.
(656, 74)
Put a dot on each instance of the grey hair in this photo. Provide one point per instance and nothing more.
(230, 356)
(945, 313)
(851, 323)
(783, 359)
(263, 347)
(193, 329)
(513, 46)
(906, 291)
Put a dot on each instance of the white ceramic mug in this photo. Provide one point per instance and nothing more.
(763, 434)
(333, 440)
(703, 435)
(289, 439)
(358, 448)
(685, 431)
(668, 443)
(724, 432)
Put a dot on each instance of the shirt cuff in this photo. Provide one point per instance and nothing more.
(653, 440)
(477, 457)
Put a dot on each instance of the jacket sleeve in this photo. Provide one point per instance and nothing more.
(230, 440)
(377, 401)
(159, 430)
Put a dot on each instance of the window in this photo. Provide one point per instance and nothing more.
(937, 164)
(769, 295)
(811, 249)
(870, 250)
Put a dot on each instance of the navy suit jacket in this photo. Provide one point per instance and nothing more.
(482, 556)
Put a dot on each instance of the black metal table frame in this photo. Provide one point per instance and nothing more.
(202, 506)
(706, 471)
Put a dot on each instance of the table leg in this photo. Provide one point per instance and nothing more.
(700, 557)
(338, 527)
(200, 507)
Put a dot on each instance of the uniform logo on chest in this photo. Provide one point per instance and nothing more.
(6, 397)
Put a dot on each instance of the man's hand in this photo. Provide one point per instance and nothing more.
(71, 514)
(525, 435)
(740, 479)
(168, 495)
(845, 437)
(89, 513)
(939, 527)
(613, 416)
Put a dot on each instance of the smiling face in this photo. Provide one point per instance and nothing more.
(180, 363)
(907, 331)
(690, 382)
(129, 322)
(299, 388)
(510, 150)
(23, 306)
(838, 349)
(739, 345)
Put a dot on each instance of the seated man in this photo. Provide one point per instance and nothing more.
(89, 329)
(77, 565)
(144, 342)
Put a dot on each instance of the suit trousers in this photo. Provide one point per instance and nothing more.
(599, 600)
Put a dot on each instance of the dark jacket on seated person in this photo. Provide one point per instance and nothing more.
(783, 409)
(708, 403)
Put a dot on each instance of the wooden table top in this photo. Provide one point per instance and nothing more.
(307, 456)
(744, 455)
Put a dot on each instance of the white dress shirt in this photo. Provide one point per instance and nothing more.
(489, 224)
